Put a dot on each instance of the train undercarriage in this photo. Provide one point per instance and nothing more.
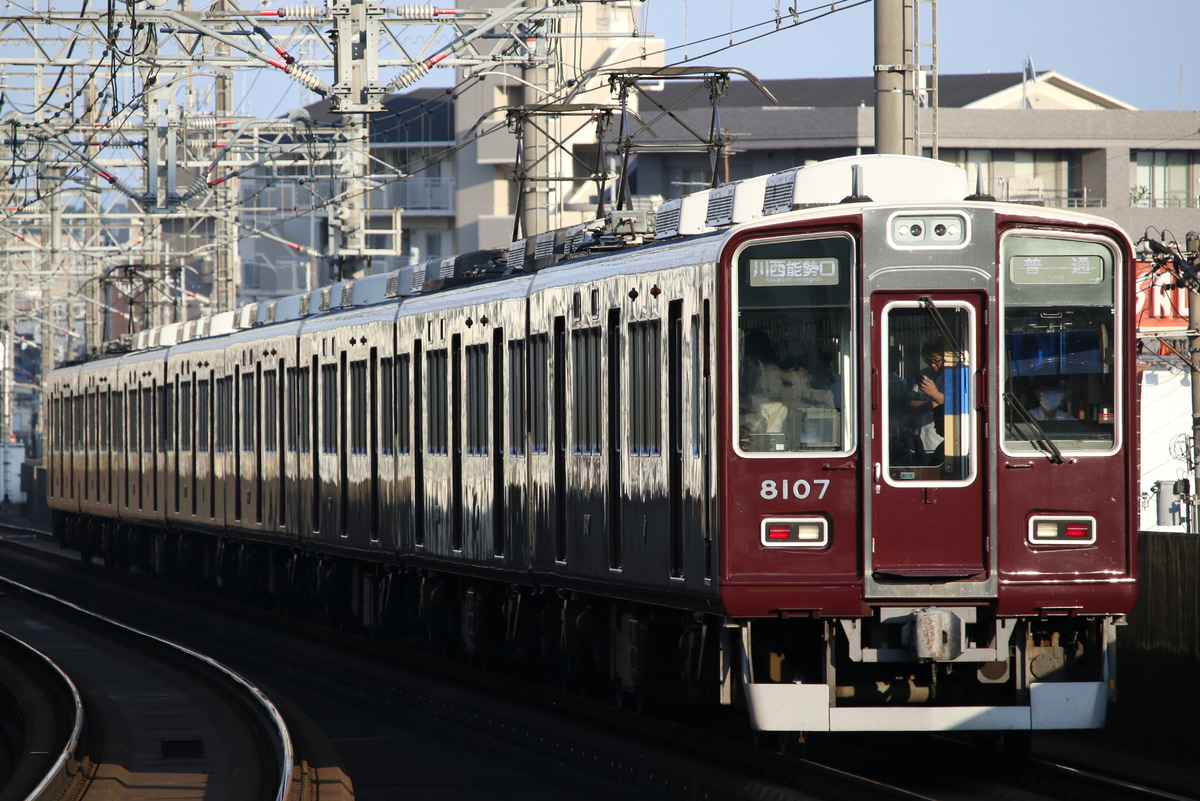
(930, 668)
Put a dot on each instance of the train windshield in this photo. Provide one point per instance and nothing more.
(1060, 332)
(794, 350)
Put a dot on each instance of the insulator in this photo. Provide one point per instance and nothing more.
(408, 77)
(202, 123)
(414, 11)
(198, 185)
(306, 78)
(305, 13)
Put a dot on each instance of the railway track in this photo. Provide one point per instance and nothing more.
(149, 720)
(42, 716)
(592, 746)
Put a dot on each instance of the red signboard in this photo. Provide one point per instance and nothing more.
(1161, 306)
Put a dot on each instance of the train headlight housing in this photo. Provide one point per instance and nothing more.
(806, 532)
(925, 231)
(1056, 530)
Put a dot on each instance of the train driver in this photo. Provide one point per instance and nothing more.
(1050, 396)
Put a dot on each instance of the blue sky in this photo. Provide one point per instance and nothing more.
(1134, 51)
(1143, 52)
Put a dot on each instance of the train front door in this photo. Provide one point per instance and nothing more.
(928, 522)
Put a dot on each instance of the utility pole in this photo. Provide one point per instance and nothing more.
(889, 76)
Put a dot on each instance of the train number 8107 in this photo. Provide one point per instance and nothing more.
(788, 490)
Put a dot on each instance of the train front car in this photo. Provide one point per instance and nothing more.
(928, 455)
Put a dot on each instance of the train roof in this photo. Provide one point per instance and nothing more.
(702, 220)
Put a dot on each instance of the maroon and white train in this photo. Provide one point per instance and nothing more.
(691, 452)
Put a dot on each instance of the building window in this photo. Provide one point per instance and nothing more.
(1163, 179)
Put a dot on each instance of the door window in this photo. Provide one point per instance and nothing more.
(929, 410)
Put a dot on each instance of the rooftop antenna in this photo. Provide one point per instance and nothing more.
(980, 192)
(1028, 74)
(857, 192)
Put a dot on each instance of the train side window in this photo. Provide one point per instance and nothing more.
(358, 406)
(147, 420)
(477, 397)
(387, 402)
(226, 412)
(202, 413)
(219, 416)
(248, 411)
(166, 418)
(105, 400)
(133, 410)
(516, 400)
(438, 408)
(587, 390)
(329, 408)
(81, 423)
(89, 427)
(118, 421)
(645, 388)
(289, 394)
(185, 416)
(303, 435)
(270, 411)
(403, 403)
(539, 386)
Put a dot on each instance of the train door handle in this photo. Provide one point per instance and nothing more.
(878, 472)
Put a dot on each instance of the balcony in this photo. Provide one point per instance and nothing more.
(1034, 191)
(417, 196)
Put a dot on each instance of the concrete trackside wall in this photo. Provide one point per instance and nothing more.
(1158, 653)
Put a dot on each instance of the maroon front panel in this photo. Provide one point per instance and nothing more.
(1059, 335)
(789, 445)
(790, 579)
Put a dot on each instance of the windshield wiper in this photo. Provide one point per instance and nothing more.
(936, 314)
(1041, 436)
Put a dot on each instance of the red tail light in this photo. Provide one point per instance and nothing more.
(779, 532)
